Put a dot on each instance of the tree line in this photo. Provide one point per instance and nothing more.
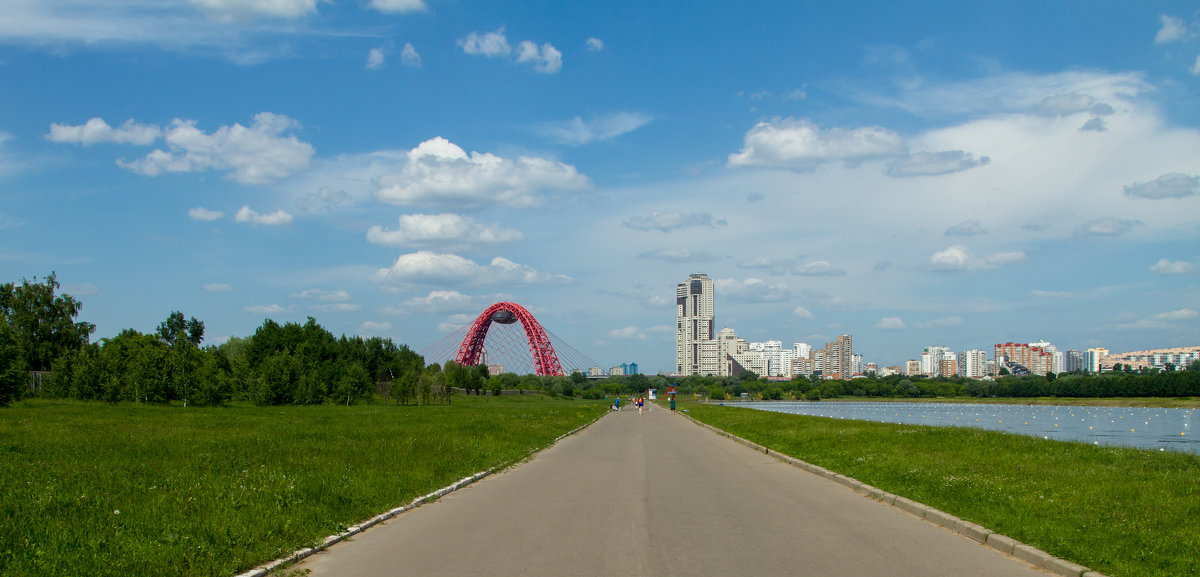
(280, 364)
(1117, 383)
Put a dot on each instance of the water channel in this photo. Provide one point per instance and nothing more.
(1146, 428)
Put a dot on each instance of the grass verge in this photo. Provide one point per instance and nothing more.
(90, 489)
(1123, 512)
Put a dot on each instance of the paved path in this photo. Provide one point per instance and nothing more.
(656, 495)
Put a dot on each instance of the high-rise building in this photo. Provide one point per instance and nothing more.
(933, 361)
(694, 315)
(838, 358)
(973, 363)
(1092, 358)
(1038, 358)
(1073, 362)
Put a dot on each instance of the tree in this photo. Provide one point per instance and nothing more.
(13, 377)
(44, 323)
(175, 328)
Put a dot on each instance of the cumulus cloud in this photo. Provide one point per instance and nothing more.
(435, 302)
(409, 56)
(376, 59)
(322, 295)
(444, 229)
(203, 214)
(943, 322)
(671, 220)
(336, 307)
(966, 228)
(751, 290)
(1179, 315)
(216, 287)
(97, 130)
(679, 255)
(398, 6)
(1169, 185)
(265, 309)
(1172, 29)
(545, 58)
(1169, 267)
(439, 173)
(628, 333)
(890, 324)
(595, 44)
(801, 145)
(253, 155)
(802, 313)
(425, 267)
(491, 44)
(236, 10)
(578, 131)
(374, 328)
(959, 258)
(935, 163)
(1107, 227)
(277, 218)
(1072, 103)
(1161, 321)
(818, 268)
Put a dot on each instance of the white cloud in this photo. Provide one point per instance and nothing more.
(235, 10)
(97, 130)
(802, 145)
(1195, 69)
(1172, 29)
(546, 59)
(751, 290)
(966, 228)
(436, 301)
(818, 268)
(1107, 227)
(628, 333)
(491, 44)
(279, 217)
(890, 324)
(679, 255)
(443, 229)
(959, 258)
(935, 163)
(595, 44)
(374, 328)
(1072, 103)
(802, 313)
(1179, 315)
(577, 131)
(455, 322)
(254, 155)
(216, 287)
(322, 201)
(322, 295)
(943, 322)
(671, 220)
(439, 173)
(265, 309)
(203, 214)
(409, 56)
(426, 267)
(376, 59)
(398, 6)
(1168, 267)
(1169, 185)
(336, 307)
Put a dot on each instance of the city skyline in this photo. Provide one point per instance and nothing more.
(909, 173)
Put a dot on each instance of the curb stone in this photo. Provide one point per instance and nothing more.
(300, 554)
(977, 533)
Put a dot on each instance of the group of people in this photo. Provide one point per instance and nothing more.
(639, 402)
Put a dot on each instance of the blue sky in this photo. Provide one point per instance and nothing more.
(906, 172)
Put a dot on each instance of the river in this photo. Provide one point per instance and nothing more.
(1145, 428)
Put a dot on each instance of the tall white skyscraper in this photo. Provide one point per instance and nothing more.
(694, 327)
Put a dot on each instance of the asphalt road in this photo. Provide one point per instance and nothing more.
(656, 495)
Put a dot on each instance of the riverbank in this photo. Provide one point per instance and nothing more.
(1124, 512)
(97, 489)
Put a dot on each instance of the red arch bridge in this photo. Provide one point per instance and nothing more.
(507, 336)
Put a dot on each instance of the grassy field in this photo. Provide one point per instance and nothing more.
(1123, 512)
(95, 489)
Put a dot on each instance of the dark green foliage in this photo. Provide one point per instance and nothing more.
(44, 323)
(13, 376)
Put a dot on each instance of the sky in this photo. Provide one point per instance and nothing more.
(911, 173)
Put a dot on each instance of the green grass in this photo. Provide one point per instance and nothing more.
(1123, 512)
(95, 489)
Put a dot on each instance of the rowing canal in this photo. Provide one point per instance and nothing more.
(1146, 428)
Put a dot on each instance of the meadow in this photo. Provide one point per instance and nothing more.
(1123, 512)
(125, 489)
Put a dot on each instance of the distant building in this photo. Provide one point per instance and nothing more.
(1092, 358)
(1073, 362)
(973, 363)
(1034, 357)
(595, 372)
(694, 316)
(911, 367)
(933, 362)
(616, 371)
(633, 369)
(1180, 358)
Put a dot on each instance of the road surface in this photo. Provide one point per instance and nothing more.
(655, 495)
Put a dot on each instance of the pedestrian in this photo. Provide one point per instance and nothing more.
(640, 401)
